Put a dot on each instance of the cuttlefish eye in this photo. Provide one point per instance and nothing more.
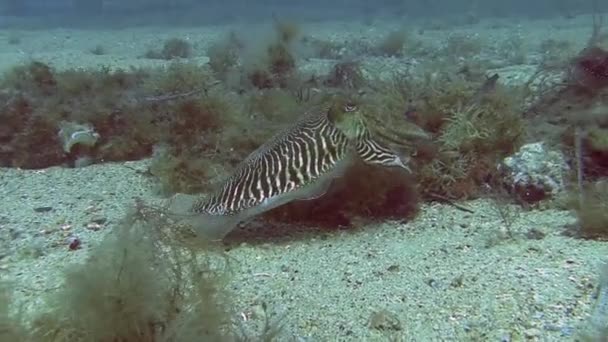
(349, 107)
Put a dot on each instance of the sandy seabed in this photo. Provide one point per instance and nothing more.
(441, 277)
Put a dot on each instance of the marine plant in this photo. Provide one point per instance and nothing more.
(260, 78)
(172, 48)
(38, 99)
(275, 68)
(325, 49)
(180, 172)
(462, 127)
(346, 75)
(591, 151)
(36, 77)
(556, 53)
(590, 204)
(273, 105)
(287, 31)
(589, 70)
(127, 109)
(513, 49)
(277, 63)
(585, 77)
(473, 141)
(280, 60)
(148, 280)
(596, 326)
(364, 193)
(141, 284)
(393, 44)
(224, 54)
(578, 103)
(178, 80)
(12, 327)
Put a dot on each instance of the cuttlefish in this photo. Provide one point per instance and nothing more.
(298, 163)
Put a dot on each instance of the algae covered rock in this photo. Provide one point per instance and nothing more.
(535, 172)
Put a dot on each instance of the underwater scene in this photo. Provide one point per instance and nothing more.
(180, 170)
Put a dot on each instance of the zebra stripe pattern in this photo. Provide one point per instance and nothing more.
(292, 159)
(373, 153)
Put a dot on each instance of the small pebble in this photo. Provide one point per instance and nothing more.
(99, 220)
(43, 209)
(94, 226)
(74, 243)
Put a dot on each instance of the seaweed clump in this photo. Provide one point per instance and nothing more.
(363, 193)
(148, 280)
(591, 208)
(180, 172)
(346, 75)
(589, 70)
(596, 326)
(224, 55)
(595, 151)
(462, 127)
(473, 140)
(172, 48)
(12, 327)
(576, 106)
(125, 111)
(277, 64)
(393, 44)
(141, 284)
(23, 131)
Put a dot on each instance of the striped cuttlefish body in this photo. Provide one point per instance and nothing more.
(299, 163)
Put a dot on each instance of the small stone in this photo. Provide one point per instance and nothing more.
(43, 209)
(432, 283)
(94, 226)
(535, 172)
(393, 268)
(74, 243)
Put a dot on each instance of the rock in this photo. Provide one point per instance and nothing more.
(72, 133)
(515, 75)
(74, 243)
(535, 172)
